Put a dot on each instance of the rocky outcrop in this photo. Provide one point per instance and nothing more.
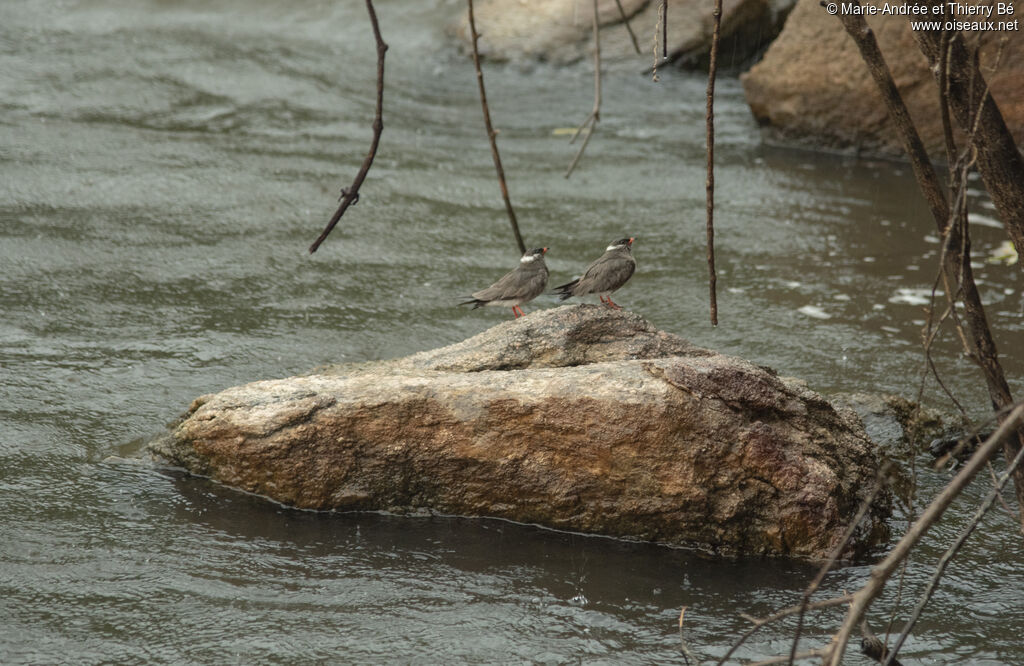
(577, 417)
(559, 31)
(812, 86)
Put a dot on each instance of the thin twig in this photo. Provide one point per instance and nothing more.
(778, 615)
(709, 183)
(687, 654)
(657, 33)
(997, 149)
(351, 193)
(664, 30)
(837, 550)
(951, 552)
(788, 659)
(884, 570)
(629, 29)
(595, 114)
(491, 134)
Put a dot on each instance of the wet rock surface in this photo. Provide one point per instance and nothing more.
(560, 31)
(812, 87)
(575, 417)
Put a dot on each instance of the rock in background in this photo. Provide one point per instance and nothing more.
(812, 87)
(559, 31)
(576, 418)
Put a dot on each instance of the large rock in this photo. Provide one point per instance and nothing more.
(577, 418)
(560, 31)
(812, 87)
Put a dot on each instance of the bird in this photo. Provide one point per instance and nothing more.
(609, 272)
(519, 286)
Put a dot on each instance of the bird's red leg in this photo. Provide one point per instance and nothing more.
(613, 305)
(601, 297)
(516, 311)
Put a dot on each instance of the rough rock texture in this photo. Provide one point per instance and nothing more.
(576, 417)
(559, 31)
(812, 86)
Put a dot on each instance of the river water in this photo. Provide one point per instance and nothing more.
(163, 168)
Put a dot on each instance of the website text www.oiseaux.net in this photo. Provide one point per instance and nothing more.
(941, 16)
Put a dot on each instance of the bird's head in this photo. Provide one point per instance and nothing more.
(621, 243)
(533, 255)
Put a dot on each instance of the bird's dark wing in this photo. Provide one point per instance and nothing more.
(531, 286)
(609, 272)
(497, 291)
(522, 283)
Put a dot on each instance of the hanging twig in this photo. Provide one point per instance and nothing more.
(350, 194)
(657, 37)
(664, 29)
(590, 123)
(491, 134)
(709, 119)
(629, 29)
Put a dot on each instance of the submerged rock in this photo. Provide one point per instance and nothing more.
(577, 417)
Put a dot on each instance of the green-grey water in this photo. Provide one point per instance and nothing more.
(163, 168)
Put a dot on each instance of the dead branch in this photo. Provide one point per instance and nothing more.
(837, 550)
(664, 30)
(350, 194)
(629, 28)
(659, 27)
(999, 160)
(709, 183)
(789, 659)
(951, 552)
(981, 113)
(595, 114)
(491, 134)
(687, 654)
(778, 615)
(927, 179)
(883, 571)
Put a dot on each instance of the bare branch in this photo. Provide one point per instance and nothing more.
(664, 30)
(350, 194)
(778, 615)
(629, 29)
(688, 656)
(884, 570)
(789, 658)
(951, 552)
(595, 114)
(837, 550)
(491, 134)
(709, 183)
(658, 28)
(964, 101)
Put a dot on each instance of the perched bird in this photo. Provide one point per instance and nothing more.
(520, 286)
(609, 272)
